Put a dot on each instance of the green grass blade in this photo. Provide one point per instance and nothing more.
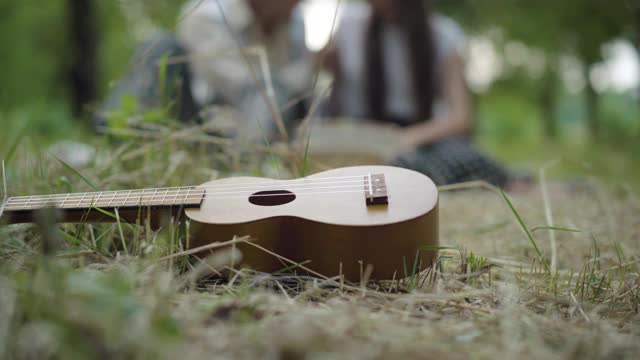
(162, 76)
(554, 228)
(436, 248)
(291, 267)
(77, 173)
(414, 272)
(526, 230)
(16, 142)
(404, 267)
(72, 239)
(5, 192)
(119, 225)
(303, 170)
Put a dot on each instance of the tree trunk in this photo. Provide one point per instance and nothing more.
(83, 32)
(592, 104)
(637, 23)
(637, 39)
(547, 101)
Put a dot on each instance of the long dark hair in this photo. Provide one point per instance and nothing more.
(415, 22)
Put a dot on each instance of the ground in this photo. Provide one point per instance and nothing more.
(549, 272)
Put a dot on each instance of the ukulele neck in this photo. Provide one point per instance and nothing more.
(97, 206)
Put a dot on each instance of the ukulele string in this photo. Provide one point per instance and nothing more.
(178, 195)
(248, 185)
(160, 194)
(163, 193)
(171, 197)
(181, 198)
(285, 194)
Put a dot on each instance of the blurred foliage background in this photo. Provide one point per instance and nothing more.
(552, 80)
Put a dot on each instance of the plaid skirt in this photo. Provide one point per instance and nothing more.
(452, 161)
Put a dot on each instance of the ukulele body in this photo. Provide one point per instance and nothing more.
(325, 222)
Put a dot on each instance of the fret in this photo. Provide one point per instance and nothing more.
(152, 197)
(115, 193)
(134, 198)
(145, 198)
(10, 203)
(80, 201)
(94, 201)
(40, 202)
(141, 198)
(166, 193)
(175, 197)
(28, 202)
(186, 196)
(127, 198)
(14, 204)
(65, 200)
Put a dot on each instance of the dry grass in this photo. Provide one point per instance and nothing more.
(125, 291)
(73, 292)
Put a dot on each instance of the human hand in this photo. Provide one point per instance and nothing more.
(410, 138)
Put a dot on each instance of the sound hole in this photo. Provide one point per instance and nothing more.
(272, 198)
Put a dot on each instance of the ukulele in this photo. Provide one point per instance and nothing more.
(339, 221)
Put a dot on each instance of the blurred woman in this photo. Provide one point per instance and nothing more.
(394, 61)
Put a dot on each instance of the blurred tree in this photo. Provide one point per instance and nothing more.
(32, 35)
(587, 26)
(43, 55)
(83, 32)
(534, 24)
(637, 23)
(570, 27)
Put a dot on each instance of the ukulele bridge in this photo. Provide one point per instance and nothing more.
(375, 190)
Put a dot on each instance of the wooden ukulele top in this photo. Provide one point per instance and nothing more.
(352, 196)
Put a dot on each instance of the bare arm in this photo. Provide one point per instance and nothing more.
(457, 120)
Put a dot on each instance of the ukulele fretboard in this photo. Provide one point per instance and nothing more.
(161, 197)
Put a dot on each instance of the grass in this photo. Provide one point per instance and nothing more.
(526, 231)
(127, 291)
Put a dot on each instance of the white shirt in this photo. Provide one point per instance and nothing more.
(350, 40)
(214, 48)
(212, 31)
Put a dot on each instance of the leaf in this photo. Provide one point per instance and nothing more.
(71, 238)
(554, 228)
(77, 173)
(436, 248)
(128, 108)
(526, 230)
(14, 145)
(414, 272)
(303, 170)
(162, 76)
(291, 267)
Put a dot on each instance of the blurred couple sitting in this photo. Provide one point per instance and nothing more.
(392, 61)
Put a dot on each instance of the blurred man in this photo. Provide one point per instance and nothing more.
(250, 54)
